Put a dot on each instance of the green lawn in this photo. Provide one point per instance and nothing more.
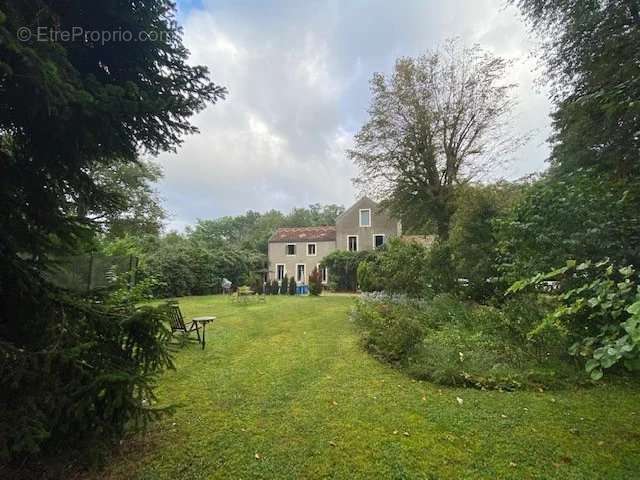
(283, 390)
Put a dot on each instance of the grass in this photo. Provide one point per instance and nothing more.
(283, 390)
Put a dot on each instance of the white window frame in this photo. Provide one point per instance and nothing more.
(384, 239)
(315, 249)
(324, 280)
(295, 250)
(357, 243)
(360, 216)
(284, 271)
(304, 275)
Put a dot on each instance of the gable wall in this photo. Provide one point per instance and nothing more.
(349, 224)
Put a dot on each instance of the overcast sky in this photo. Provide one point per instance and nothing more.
(298, 78)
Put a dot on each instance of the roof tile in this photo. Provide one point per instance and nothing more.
(304, 234)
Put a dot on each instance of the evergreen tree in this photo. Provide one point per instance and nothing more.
(70, 109)
(315, 282)
(284, 288)
(292, 286)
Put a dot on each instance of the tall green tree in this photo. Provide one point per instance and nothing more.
(473, 242)
(573, 216)
(590, 49)
(137, 208)
(68, 109)
(437, 121)
(253, 230)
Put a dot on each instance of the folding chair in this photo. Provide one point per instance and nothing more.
(177, 322)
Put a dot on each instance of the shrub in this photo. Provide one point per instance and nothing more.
(284, 287)
(258, 286)
(96, 379)
(315, 282)
(581, 215)
(343, 268)
(401, 268)
(472, 240)
(292, 286)
(275, 288)
(368, 280)
(452, 342)
(390, 331)
(599, 309)
(184, 267)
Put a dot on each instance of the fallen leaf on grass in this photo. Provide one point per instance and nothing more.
(459, 400)
(406, 434)
(332, 443)
(258, 457)
(395, 432)
(513, 464)
(334, 403)
(424, 399)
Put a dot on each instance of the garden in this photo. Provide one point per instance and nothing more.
(508, 347)
(285, 390)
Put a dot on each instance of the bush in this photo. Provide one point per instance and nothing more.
(275, 288)
(95, 380)
(599, 309)
(401, 267)
(258, 285)
(582, 215)
(184, 267)
(390, 331)
(343, 268)
(454, 343)
(367, 277)
(472, 243)
(315, 282)
(292, 286)
(284, 287)
(398, 267)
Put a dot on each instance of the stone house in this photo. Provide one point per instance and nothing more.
(296, 251)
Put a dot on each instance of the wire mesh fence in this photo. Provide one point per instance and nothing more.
(84, 273)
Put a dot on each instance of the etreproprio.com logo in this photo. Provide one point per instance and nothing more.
(79, 34)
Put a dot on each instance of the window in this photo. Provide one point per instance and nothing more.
(300, 272)
(291, 249)
(311, 249)
(378, 240)
(365, 217)
(280, 271)
(352, 243)
(324, 274)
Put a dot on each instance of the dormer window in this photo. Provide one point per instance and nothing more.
(365, 217)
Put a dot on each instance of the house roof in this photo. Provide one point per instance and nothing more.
(304, 234)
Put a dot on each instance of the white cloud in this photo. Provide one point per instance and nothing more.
(298, 77)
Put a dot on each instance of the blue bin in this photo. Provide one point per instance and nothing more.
(302, 289)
